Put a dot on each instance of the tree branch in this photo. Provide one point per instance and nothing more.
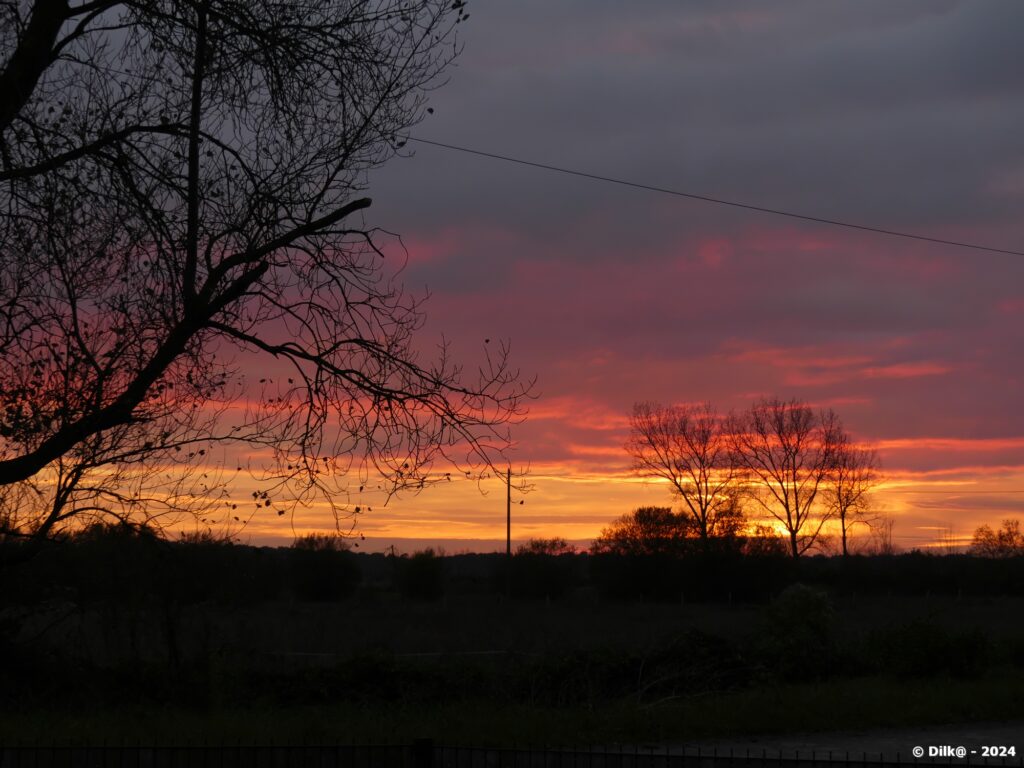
(31, 58)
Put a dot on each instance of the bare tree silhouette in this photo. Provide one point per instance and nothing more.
(787, 452)
(1006, 541)
(688, 446)
(180, 183)
(855, 473)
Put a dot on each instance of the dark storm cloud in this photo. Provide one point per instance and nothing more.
(900, 115)
(896, 118)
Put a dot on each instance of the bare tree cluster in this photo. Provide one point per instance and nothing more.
(180, 190)
(686, 446)
(794, 464)
(1005, 541)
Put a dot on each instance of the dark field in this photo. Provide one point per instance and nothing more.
(167, 641)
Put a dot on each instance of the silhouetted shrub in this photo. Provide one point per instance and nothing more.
(797, 638)
(720, 573)
(637, 577)
(693, 663)
(1012, 651)
(119, 563)
(537, 576)
(922, 648)
(647, 531)
(322, 575)
(420, 576)
(764, 542)
(322, 542)
(574, 677)
(553, 547)
(372, 674)
(917, 573)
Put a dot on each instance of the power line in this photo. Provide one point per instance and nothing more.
(716, 200)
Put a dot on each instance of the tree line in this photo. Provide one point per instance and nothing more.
(794, 464)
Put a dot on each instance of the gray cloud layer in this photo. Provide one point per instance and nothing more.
(899, 115)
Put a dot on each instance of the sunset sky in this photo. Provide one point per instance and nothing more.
(903, 116)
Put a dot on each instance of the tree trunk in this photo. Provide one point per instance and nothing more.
(31, 58)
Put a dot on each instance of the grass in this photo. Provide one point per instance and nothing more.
(243, 644)
(841, 704)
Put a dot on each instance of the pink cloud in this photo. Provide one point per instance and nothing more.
(614, 451)
(713, 252)
(947, 444)
(905, 370)
(797, 357)
(1014, 306)
(578, 412)
(817, 366)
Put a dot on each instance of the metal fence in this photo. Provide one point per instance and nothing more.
(427, 754)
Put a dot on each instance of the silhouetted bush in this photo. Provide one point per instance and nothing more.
(720, 573)
(117, 563)
(536, 576)
(693, 663)
(1012, 651)
(420, 576)
(917, 573)
(797, 639)
(926, 649)
(322, 575)
(637, 577)
(573, 677)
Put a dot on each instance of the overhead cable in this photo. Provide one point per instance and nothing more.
(717, 200)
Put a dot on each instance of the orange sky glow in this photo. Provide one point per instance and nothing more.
(577, 497)
(899, 116)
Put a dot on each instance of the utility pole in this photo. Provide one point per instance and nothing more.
(508, 533)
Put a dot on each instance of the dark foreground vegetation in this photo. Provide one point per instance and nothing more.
(119, 633)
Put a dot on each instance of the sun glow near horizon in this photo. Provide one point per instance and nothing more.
(925, 507)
